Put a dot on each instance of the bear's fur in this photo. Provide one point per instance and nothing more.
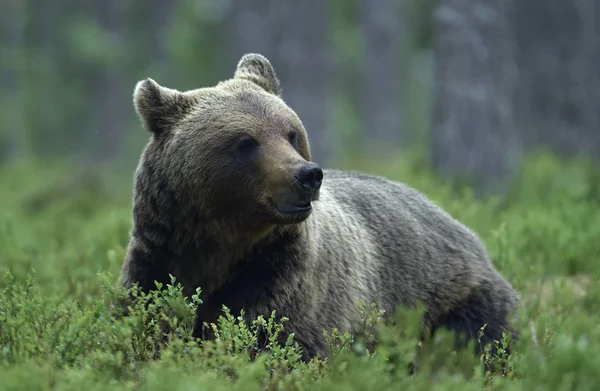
(211, 188)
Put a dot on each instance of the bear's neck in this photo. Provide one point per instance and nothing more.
(206, 260)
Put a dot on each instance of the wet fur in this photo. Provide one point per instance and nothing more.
(367, 239)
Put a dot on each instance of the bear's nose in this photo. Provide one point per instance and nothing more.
(310, 177)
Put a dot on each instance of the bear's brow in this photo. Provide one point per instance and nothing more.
(252, 104)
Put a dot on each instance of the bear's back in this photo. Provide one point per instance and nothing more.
(405, 246)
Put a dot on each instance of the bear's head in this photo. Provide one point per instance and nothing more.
(233, 155)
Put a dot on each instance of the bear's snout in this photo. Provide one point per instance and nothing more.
(309, 177)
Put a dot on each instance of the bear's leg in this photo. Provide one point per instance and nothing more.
(487, 306)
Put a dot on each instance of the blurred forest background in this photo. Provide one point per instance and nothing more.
(453, 97)
(472, 84)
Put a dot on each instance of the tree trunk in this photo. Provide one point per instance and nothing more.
(559, 88)
(110, 114)
(294, 37)
(158, 20)
(11, 113)
(473, 135)
(45, 77)
(249, 29)
(382, 115)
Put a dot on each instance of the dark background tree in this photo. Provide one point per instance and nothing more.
(558, 95)
(382, 41)
(11, 80)
(473, 134)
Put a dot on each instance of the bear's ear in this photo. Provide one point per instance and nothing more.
(257, 69)
(159, 107)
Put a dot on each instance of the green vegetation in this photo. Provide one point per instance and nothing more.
(62, 243)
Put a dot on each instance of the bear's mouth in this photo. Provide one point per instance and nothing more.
(294, 209)
(298, 209)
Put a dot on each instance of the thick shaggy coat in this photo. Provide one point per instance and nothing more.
(227, 199)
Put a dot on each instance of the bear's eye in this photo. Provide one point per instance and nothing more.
(292, 136)
(246, 145)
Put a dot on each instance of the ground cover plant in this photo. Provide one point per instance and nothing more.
(63, 238)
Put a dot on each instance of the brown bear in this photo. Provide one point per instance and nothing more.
(227, 199)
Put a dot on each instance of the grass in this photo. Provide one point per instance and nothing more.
(62, 243)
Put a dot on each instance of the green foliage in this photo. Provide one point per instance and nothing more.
(60, 329)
